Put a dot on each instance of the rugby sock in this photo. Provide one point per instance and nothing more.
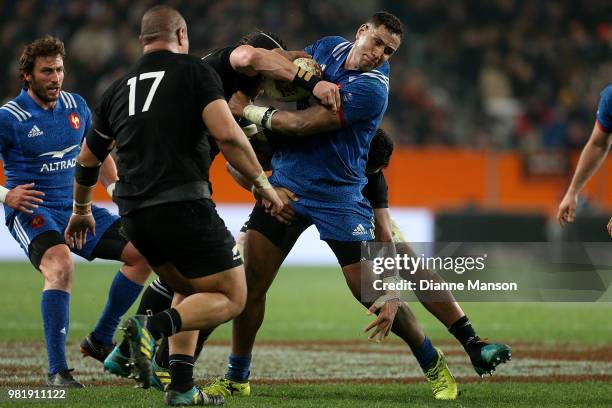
(425, 354)
(181, 372)
(238, 368)
(464, 332)
(122, 294)
(153, 302)
(55, 308)
(165, 323)
(161, 355)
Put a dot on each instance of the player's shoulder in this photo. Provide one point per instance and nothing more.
(332, 44)
(72, 100)
(607, 93)
(375, 81)
(13, 111)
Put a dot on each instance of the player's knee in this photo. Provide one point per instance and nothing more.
(57, 267)
(136, 268)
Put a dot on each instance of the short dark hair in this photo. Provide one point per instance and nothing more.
(390, 21)
(263, 39)
(381, 149)
(43, 47)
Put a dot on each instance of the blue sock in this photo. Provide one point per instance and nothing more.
(55, 308)
(425, 354)
(122, 294)
(238, 368)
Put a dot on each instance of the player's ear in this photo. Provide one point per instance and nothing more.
(362, 29)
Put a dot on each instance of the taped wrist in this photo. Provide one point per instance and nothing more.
(81, 208)
(86, 176)
(305, 79)
(261, 182)
(3, 192)
(250, 130)
(260, 115)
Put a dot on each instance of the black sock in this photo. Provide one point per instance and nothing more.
(162, 354)
(464, 332)
(154, 299)
(165, 323)
(181, 372)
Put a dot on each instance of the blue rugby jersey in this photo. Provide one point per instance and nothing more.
(329, 168)
(41, 146)
(604, 110)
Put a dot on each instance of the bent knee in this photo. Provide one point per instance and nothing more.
(57, 268)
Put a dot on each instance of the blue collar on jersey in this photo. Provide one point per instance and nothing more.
(29, 104)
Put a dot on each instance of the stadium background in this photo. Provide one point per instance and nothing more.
(490, 103)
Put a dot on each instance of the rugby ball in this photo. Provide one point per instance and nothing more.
(284, 91)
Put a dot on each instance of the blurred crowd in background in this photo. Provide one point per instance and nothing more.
(500, 74)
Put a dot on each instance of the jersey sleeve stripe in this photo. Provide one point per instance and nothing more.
(19, 228)
(342, 50)
(20, 109)
(602, 128)
(382, 80)
(71, 97)
(63, 98)
(338, 46)
(14, 112)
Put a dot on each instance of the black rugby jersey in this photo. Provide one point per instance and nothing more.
(377, 191)
(155, 115)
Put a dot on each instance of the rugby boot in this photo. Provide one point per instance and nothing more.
(116, 363)
(160, 377)
(91, 348)
(63, 379)
(142, 349)
(194, 396)
(486, 356)
(441, 380)
(227, 388)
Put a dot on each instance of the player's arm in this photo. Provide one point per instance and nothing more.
(237, 150)
(94, 152)
(382, 225)
(591, 158)
(316, 119)
(253, 61)
(108, 174)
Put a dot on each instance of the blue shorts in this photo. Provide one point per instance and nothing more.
(340, 223)
(26, 227)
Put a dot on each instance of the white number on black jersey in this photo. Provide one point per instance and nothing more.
(158, 75)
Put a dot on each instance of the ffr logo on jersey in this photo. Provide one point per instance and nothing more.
(74, 120)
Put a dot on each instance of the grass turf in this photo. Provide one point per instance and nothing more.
(357, 395)
(306, 304)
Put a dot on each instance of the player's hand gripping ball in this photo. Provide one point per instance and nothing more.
(284, 91)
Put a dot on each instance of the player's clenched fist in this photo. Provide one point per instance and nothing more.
(328, 94)
(567, 209)
(24, 198)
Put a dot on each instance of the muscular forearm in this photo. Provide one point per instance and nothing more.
(240, 155)
(108, 172)
(239, 178)
(304, 123)
(590, 160)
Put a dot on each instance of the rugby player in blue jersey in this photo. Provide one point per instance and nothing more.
(326, 170)
(591, 158)
(41, 131)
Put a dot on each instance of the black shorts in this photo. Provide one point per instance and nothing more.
(188, 234)
(110, 246)
(284, 236)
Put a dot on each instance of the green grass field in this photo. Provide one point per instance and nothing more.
(312, 340)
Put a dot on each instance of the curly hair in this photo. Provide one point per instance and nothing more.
(43, 47)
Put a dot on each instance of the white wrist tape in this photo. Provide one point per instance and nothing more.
(110, 189)
(261, 182)
(3, 192)
(250, 130)
(384, 299)
(259, 115)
